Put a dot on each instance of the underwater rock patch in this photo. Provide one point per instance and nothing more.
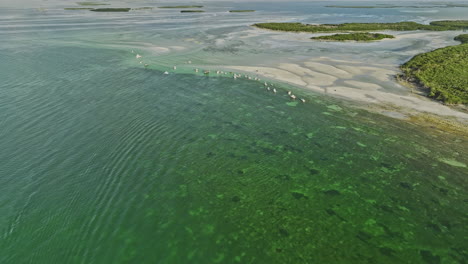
(428, 257)
(298, 195)
(406, 185)
(331, 192)
(314, 171)
(283, 232)
(387, 251)
(363, 236)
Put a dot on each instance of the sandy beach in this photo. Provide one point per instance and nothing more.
(370, 86)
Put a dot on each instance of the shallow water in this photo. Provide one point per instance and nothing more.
(104, 161)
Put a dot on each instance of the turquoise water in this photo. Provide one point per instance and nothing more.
(104, 161)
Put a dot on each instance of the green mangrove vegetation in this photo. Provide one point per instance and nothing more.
(344, 6)
(241, 11)
(366, 36)
(192, 11)
(182, 6)
(91, 3)
(110, 9)
(444, 72)
(349, 27)
(463, 38)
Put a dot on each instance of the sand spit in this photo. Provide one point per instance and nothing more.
(370, 86)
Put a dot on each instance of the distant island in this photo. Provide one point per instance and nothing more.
(443, 72)
(192, 11)
(240, 11)
(142, 8)
(110, 9)
(401, 6)
(366, 36)
(350, 27)
(182, 6)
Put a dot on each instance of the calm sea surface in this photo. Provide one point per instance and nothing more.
(105, 161)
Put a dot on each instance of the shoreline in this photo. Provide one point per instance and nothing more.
(320, 75)
(360, 83)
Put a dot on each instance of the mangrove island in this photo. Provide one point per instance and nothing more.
(110, 9)
(443, 72)
(366, 36)
(241, 11)
(182, 6)
(349, 27)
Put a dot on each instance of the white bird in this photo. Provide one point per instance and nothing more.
(133, 51)
(265, 84)
(189, 62)
(235, 77)
(274, 90)
(268, 88)
(146, 65)
(196, 70)
(293, 96)
(138, 56)
(217, 72)
(141, 62)
(303, 100)
(175, 68)
(166, 72)
(250, 78)
(289, 92)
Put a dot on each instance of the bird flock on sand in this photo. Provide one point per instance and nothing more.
(235, 76)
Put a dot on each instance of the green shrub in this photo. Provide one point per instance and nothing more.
(443, 71)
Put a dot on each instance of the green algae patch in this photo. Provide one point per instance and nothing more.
(292, 103)
(453, 162)
(310, 135)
